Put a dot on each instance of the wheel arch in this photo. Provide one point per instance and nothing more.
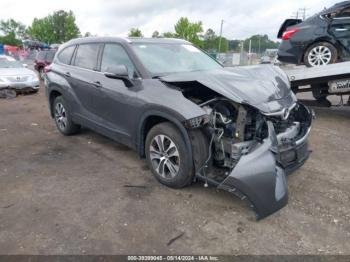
(154, 117)
(317, 40)
(52, 96)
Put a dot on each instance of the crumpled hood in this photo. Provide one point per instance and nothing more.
(265, 87)
(15, 72)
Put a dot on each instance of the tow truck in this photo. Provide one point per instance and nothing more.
(322, 81)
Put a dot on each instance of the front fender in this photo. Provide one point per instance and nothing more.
(174, 118)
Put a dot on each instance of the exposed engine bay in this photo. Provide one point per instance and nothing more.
(253, 138)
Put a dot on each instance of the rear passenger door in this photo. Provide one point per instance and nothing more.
(116, 102)
(82, 75)
(340, 28)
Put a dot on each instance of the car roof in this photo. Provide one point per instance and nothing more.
(127, 40)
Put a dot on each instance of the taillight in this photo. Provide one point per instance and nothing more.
(289, 33)
(47, 69)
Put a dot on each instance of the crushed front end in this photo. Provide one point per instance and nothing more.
(250, 152)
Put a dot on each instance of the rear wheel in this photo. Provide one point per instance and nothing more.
(63, 117)
(168, 157)
(319, 54)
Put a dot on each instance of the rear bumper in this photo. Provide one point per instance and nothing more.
(290, 53)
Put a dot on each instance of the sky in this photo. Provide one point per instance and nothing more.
(115, 18)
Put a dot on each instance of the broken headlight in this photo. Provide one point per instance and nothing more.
(197, 121)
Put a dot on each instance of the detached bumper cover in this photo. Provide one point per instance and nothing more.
(261, 175)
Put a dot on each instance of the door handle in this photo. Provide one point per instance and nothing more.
(341, 29)
(97, 84)
(67, 74)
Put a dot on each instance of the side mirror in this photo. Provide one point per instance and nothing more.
(119, 72)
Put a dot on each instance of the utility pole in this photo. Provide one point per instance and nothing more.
(222, 22)
(303, 11)
(259, 44)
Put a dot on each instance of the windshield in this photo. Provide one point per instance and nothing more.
(162, 59)
(4, 63)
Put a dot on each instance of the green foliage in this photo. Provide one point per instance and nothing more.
(169, 35)
(13, 31)
(59, 27)
(211, 42)
(155, 34)
(265, 43)
(11, 26)
(135, 32)
(10, 39)
(189, 31)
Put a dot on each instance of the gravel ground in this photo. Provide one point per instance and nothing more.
(68, 195)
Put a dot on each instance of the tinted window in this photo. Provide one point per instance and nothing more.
(114, 55)
(66, 55)
(49, 56)
(41, 56)
(86, 56)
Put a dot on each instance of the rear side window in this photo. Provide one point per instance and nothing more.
(66, 54)
(49, 56)
(114, 55)
(41, 56)
(86, 56)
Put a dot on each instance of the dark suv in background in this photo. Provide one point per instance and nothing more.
(319, 40)
(240, 129)
(43, 58)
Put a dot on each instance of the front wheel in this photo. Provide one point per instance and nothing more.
(319, 54)
(168, 157)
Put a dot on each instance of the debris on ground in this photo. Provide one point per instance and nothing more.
(175, 238)
(7, 93)
(137, 186)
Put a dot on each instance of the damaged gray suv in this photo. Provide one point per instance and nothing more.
(239, 129)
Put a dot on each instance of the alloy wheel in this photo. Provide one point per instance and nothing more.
(61, 116)
(164, 156)
(320, 55)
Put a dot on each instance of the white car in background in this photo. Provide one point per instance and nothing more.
(15, 76)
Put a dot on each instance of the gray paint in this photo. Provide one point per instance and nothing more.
(120, 112)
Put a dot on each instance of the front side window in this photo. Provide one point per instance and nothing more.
(114, 55)
(86, 56)
(161, 59)
(49, 56)
(66, 55)
(345, 13)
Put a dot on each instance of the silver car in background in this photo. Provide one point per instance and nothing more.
(15, 76)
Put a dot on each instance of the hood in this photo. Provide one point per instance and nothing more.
(15, 71)
(265, 87)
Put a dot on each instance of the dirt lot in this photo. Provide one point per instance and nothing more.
(67, 195)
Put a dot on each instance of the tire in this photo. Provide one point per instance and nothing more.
(63, 117)
(329, 54)
(172, 166)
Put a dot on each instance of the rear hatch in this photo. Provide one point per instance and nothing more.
(287, 23)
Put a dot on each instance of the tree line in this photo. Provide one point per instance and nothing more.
(60, 26)
(210, 41)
